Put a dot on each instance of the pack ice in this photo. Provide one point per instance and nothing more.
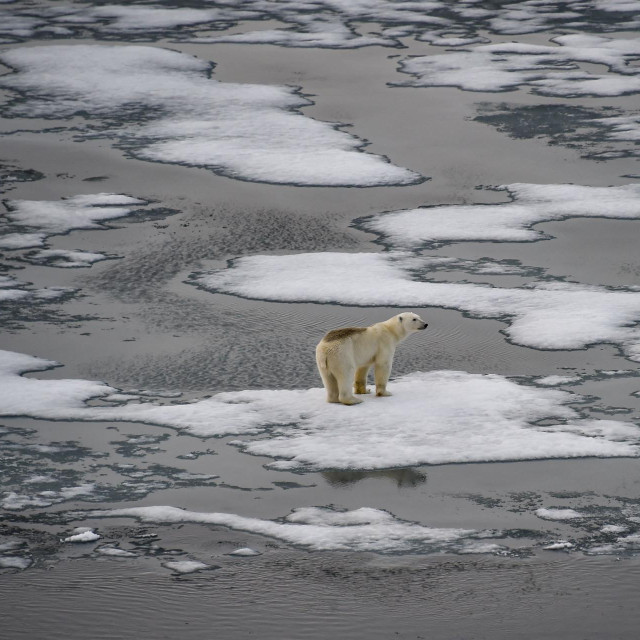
(163, 106)
(548, 70)
(433, 418)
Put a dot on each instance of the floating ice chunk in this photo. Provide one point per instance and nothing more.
(86, 535)
(558, 514)
(482, 547)
(550, 70)
(185, 566)
(22, 240)
(613, 528)
(116, 552)
(65, 258)
(245, 551)
(13, 501)
(39, 479)
(15, 562)
(622, 127)
(560, 545)
(507, 222)
(318, 528)
(547, 315)
(172, 111)
(77, 212)
(553, 381)
(17, 501)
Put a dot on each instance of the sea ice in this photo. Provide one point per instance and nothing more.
(65, 258)
(438, 417)
(552, 381)
(512, 221)
(78, 212)
(15, 562)
(244, 551)
(560, 545)
(185, 566)
(558, 514)
(549, 70)
(13, 501)
(84, 535)
(12, 241)
(319, 528)
(116, 552)
(162, 106)
(544, 315)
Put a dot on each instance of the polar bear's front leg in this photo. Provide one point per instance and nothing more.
(382, 371)
(360, 385)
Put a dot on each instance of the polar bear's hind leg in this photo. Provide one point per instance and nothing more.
(360, 385)
(345, 382)
(331, 385)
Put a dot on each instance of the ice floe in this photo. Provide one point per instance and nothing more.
(12, 290)
(245, 552)
(15, 562)
(558, 514)
(55, 217)
(438, 417)
(511, 221)
(22, 240)
(320, 529)
(185, 566)
(13, 501)
(544, 315)
(115, 552)
(560, 545)
(548, 70)
(163, 106)
(64, 258)
(82, 534)
(553, 381)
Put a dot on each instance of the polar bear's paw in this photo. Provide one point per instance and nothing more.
(350, 401)
(383, 394)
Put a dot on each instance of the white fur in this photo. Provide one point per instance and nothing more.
(344, 359)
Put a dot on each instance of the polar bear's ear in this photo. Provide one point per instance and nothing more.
(400, 318)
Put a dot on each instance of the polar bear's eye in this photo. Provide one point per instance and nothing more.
(414, 319)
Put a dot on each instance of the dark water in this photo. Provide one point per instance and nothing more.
(137, 323)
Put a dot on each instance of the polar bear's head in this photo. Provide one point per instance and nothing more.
(411, 322)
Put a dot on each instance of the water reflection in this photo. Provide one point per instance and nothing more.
(402, 477)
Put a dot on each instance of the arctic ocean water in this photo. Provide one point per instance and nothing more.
(193, 194)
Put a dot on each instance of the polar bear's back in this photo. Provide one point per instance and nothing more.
(341, 334)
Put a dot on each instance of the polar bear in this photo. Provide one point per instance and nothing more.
(345, 355)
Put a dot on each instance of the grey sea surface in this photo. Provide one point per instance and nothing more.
(137, 323)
